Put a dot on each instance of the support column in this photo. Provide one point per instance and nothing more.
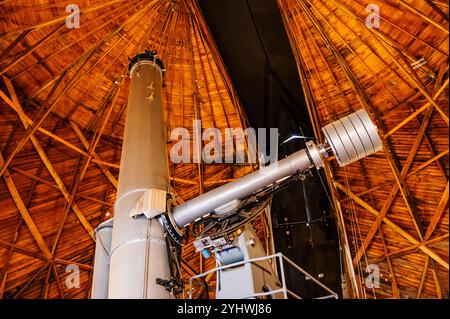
(138, 251)
(100, 280)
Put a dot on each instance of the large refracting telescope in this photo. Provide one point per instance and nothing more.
(136, 256)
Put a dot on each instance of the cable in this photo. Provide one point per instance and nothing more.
(203, 281)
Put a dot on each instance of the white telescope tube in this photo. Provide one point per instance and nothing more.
(138, 250)
(241, 188)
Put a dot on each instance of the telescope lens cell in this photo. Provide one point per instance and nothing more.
(353, 137)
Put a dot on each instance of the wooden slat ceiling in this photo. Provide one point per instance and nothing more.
(394, 204)
(63, 102)
(60, 133)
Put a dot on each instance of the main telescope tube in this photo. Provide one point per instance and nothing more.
(241, 188)
(138, 250)
(350, 138)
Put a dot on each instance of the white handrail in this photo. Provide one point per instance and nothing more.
(283, 287)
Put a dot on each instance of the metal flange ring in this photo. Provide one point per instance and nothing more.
(170, 225)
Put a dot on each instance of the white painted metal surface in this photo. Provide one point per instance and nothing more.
(100, 280)
(138, 252)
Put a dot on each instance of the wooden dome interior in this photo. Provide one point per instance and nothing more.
(63, 97)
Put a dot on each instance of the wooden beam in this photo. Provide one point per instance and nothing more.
(32, 254)
(393, 193)
(427, 163)
(424, 276)
(29, 130)
(394, 226)
(22, 55)
(355, 285)
(33, 177)
(376, 224)
(22, 289)
(355, 54)
(41, 25)
(197, 110)
(422, 132)
(92, 153)
(46, 107)
(412, 74)
(29, 121)
(28, 202)
(395, 290)
(62, 222)
(52, 185)
(383, 36)
(437, 282)
(21, 250)
(438, 288)
(13, 44)
(30, 223)
(51, 169)
(95, 200)
(437, 214)
(423, 16)
(91, 27)
(80, 171)
(390, 185)
(58, 282)
(71, 262)
(409, 249)
(8, 257)
(383, 40)
(418, 111)
(431, 148)
(88, 53)
(184, 181)
(24, 213)
(437, 9)
(365, 102)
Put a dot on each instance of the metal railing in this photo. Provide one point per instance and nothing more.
(283, 287)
